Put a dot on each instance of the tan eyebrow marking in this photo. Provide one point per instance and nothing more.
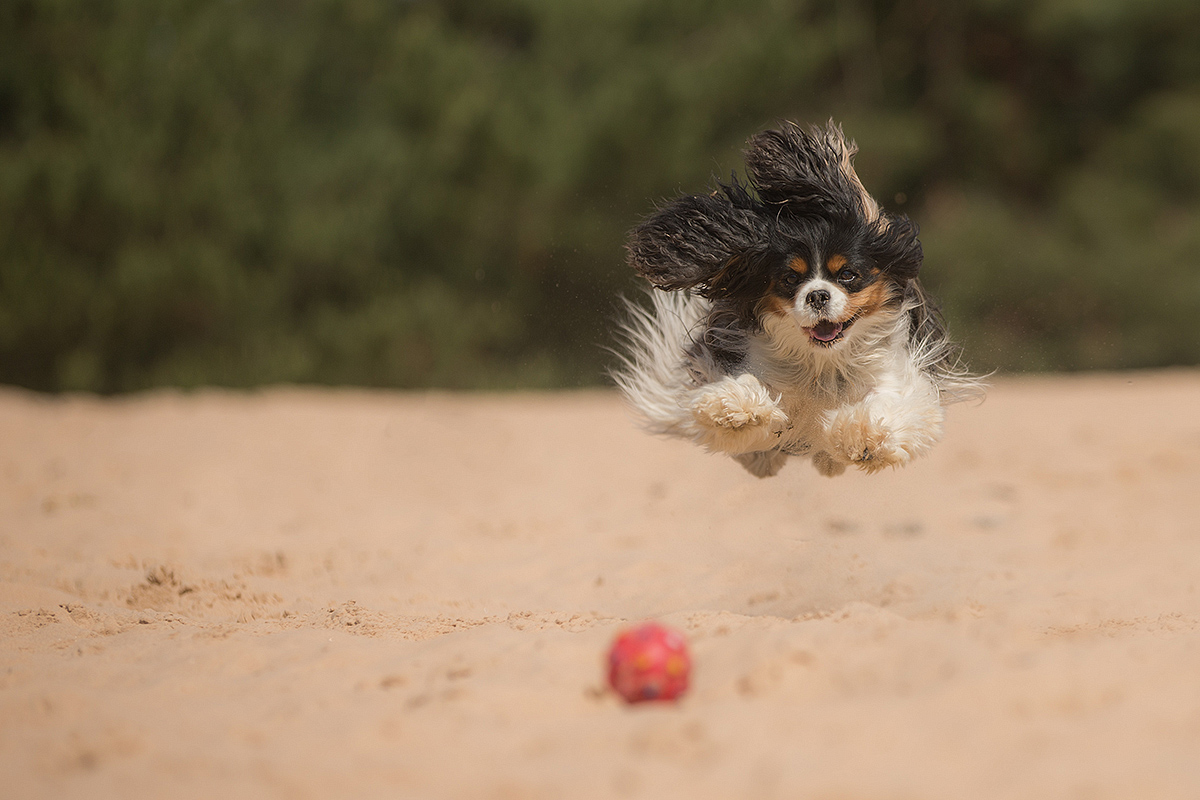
(834, 263)
(799, 265)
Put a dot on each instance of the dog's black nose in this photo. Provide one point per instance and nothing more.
(817, 298)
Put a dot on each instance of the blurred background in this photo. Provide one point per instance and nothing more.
(436, 193)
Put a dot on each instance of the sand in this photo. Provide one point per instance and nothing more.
(326, 594)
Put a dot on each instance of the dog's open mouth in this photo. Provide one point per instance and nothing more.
(826, 332)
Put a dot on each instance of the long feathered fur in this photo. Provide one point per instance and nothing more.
(709, 360)
(654, 368)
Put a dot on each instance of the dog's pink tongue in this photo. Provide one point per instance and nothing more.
(826, 331)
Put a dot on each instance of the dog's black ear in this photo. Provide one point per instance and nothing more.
(894, 247)
(809, 172)
(693, 239)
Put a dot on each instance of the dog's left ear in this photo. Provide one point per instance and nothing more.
(894, 247)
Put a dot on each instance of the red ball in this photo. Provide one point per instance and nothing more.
(649, 662)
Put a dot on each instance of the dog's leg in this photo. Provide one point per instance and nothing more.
(735, 415)
(827, 465)
(763, 464)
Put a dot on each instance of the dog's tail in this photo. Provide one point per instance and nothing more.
(655, 370)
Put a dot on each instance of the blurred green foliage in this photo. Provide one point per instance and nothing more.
(436, 193)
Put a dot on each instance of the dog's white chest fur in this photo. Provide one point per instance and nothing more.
(871, 406)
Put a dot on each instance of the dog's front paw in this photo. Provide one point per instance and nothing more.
(737, 415)
(863, 441)
(736, 403)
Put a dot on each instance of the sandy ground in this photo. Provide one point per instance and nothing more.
(327, 594)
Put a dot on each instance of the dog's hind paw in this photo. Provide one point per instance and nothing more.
(827, 465)
(764, 463)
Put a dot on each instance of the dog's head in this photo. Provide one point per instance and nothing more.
(807, 247)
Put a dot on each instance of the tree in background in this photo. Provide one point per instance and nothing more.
(436, 193)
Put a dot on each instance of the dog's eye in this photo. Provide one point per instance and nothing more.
(847, 276)
(790, 280)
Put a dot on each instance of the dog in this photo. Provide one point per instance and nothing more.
(789, 319)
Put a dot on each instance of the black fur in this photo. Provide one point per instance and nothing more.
(895, 248)
(801, 170)
(725, 244)
(732, 246)
(690, 241)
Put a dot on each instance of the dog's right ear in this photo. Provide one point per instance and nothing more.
(691, 240)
